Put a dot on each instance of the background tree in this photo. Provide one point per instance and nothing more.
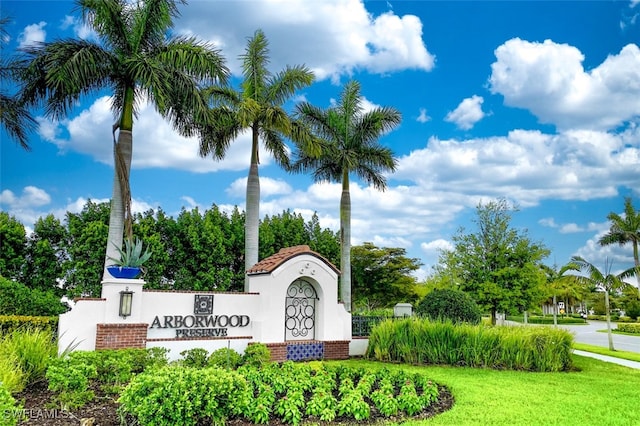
(137, 62)
(284, 230)
(46, 255)
(14, 116)
(624, 230)
(200, 250)
(606, 281)
(349, 140)
(258, 106)
(12, 246)
(323, 240)
(498, 265)
(382, 277)
(87, 231)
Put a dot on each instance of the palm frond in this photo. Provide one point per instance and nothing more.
(62, 71)
(286, 82)
(274, 144)
(254, 66)
(199, 60)
(16, 120)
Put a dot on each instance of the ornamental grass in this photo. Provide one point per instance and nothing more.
(420, 341)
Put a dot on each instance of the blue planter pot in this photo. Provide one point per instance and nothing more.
(124, 271)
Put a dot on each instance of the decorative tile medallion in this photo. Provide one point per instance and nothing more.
(203, 304)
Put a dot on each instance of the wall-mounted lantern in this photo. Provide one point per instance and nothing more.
(126, 299)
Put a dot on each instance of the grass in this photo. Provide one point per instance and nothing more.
(631, 356)
(600, 394)
(25, 355)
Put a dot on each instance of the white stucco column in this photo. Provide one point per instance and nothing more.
(111, 289)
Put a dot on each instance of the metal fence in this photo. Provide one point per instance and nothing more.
(361, 325)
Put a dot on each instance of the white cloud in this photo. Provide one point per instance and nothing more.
(31, 34)
(527, 166)
(155, 143)
(26, 207)
(80, 29)
(614, 256)
(334, 38)
(468, 113)
(31, 197)
(436, 246)
(548, 222)
(423, 117)
(268, 187)
(549, 80)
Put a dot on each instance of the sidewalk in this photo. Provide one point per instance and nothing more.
(605, 358)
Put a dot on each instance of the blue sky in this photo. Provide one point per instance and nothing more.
(536, 102)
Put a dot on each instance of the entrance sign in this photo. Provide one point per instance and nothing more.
(291, 306)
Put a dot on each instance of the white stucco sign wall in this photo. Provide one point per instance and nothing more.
(292, 300)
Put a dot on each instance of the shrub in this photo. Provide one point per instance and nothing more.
(519, 348)
(9, 323)
(178, 395)
(256, 354)
(629, 328)
(226, 358)
(196, 357)
(633, 309)
(71, 376)
(9, 410)
(18, 299)
(447, 304)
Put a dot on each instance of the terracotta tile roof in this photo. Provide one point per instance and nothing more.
(269, 264)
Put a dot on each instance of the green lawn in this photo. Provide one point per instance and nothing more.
(600, 394)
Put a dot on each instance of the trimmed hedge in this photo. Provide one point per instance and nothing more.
(548, 320)
(629, 328)
(9, 323)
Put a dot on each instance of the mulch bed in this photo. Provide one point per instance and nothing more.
(37, 401)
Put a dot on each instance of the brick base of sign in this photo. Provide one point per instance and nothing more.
(121, 336)
(309, 350)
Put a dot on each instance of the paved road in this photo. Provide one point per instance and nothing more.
(589, 334)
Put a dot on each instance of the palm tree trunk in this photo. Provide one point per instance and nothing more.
(252, 211)
(606, 307)
(345, 243)
(120, 214)
(555, 311)
(636, 259)
(122, 154)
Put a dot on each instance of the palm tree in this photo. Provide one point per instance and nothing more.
(136, 61)
(14, 117)
(258, 106)
(607, 281)
(349, 137)
(559, 282)
(625, 230)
